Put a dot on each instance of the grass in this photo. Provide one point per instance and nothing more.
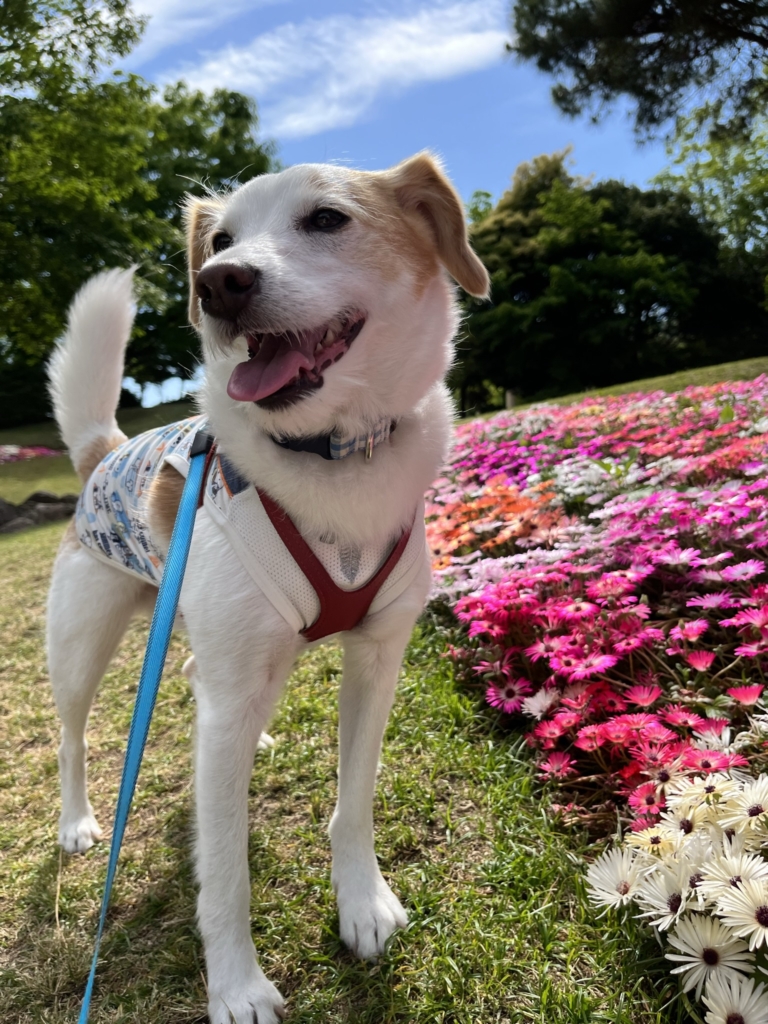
(55, 474)
(500, 931)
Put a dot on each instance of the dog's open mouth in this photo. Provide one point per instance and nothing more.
(283, 367)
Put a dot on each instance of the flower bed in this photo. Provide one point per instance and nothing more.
(608, 563)
(19, 453)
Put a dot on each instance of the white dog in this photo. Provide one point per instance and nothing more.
(327, 319)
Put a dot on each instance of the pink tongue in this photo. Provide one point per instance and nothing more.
(276, 364)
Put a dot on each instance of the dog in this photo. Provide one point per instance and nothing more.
(323, 300)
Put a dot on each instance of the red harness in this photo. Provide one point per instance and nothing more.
(340, 610)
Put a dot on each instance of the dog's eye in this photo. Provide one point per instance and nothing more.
(325, 219)
(221, 241)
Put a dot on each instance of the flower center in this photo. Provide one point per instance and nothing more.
(710, 956)
(761, 916)
(695, 880)
(654, 840)
(735, 1018)
(710, 789)
(622, 888)
(664, 776)
(674, 902)
(706, 763)
(686, 825)
(754, 810)
(735, 881)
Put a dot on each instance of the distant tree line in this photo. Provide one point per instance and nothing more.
(600, 283)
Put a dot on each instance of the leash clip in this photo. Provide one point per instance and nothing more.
(369, 447)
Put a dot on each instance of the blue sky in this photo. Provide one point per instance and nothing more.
(368, 83)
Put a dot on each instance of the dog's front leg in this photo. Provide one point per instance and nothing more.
(228, 732)
(369, 912)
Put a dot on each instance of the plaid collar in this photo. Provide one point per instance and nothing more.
(339, 446)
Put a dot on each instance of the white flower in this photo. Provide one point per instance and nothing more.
(744, 909)
(657, 839)
(747, 809)
(708, 949)
(539, 704)
(730, 869)
(710, 790)
(665, 891)
(685, 818)
(735, 1000)
(612, 879)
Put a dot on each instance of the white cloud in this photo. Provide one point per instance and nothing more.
(326, 73)
(179, 21)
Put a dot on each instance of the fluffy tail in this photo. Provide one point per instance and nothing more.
(86, 370)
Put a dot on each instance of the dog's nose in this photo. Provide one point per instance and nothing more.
(225, 289)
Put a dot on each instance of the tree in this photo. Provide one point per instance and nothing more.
(726, 179)
(659, 53)
(596, 284)
(91, 176)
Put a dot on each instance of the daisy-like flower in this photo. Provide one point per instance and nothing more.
(647, 799)
(735, 1000)
(557, 766)
(540, 703)
(685, 818)
(658, 840)
(706, 760)
(747, 808)
(744, 909)
(612, 880)
(747, 695)
(643, 696)
(707, 950)
(680, 716)
(700, 660)
(508, 695)
(743, 570)
(664, 892)
(730, 869)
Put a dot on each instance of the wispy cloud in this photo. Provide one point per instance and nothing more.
(172, 22)
(327, 73)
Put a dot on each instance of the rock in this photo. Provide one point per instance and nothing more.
(17, 524)
(8, 512)
(42, 498)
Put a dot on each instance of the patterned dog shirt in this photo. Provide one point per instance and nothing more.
(111, 523)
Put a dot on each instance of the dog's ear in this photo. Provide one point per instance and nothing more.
(199, 215)
(425, 194)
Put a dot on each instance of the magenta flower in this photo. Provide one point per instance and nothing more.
(743, 570)
(647, 799)
(680, 716)
(700, 660)
(508, 695)
(746, 694)
(557, 766)
(644, 696)
(589, 737)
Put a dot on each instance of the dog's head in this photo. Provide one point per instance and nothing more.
(321, 293)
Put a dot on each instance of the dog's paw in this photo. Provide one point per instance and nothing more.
(255, 1002)
(368, 915)
(79, 835)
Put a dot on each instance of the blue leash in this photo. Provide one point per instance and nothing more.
(154, 660)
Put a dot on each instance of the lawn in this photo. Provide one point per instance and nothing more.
(500, 931)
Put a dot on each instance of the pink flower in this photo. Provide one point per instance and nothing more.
(746, 694)
(717, 599)
(743, 570)
(590, 737)
(508, 695)
(646, 799)
(690, 630)
(557, 766)
(644, 696)
(705, 760)
(680, 716)
(752, 650)
(700, 660)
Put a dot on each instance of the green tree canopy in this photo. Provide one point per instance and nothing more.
(595, 284)
(91, 176)
(659, 53)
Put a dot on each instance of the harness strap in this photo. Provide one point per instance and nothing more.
(154, 660)
(340, 610)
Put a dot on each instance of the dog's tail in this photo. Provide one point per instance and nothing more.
(86, 370)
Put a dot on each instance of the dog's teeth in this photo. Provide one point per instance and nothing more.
(318, 348)
(330, 337)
